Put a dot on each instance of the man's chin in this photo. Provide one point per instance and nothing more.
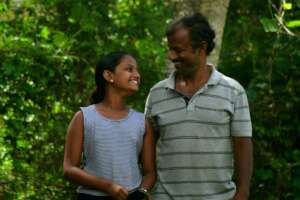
(177, 66)
(184, 72)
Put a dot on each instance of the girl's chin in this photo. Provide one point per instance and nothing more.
(133, 90)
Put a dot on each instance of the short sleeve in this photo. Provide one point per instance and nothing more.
(148, 107)
(241, 121)
(149, 114)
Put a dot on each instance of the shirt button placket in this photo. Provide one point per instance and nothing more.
(190, 106)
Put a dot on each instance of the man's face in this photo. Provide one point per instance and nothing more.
(186, 59)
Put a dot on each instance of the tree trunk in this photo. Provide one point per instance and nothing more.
(214, 10)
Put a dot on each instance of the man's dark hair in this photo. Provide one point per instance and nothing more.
(199, 30)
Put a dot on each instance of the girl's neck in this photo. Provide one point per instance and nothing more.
(112, 109)
(116, 103)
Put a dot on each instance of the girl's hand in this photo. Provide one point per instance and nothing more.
(118, 192)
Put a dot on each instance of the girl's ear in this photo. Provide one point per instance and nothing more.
(108, 76)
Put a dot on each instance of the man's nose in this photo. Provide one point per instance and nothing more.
(172, 55)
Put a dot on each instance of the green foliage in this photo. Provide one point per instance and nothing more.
(270, 25)
(48, 51)
(284, 16)
(293, 23)
(264, 56)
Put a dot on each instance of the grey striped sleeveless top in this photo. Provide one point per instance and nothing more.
(111, 148)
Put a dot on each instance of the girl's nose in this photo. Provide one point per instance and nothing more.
(137, 74)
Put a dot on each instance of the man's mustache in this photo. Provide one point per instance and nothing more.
(176, 61)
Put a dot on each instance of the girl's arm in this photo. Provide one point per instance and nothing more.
(148, 158)
(72, 157)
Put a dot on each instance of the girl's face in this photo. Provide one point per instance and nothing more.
(126, 76)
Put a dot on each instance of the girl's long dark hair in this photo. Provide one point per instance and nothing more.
(107, 62)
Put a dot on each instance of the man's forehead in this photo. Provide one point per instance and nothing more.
(179, 32)
(180, 37)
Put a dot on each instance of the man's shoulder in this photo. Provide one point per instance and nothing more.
(231, 83)
(161, 85)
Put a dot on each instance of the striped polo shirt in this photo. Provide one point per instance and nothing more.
(194, 153)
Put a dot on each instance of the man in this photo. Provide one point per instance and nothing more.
(202, 119)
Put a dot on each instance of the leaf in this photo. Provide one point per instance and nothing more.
(296, 182)
(23, 144)
(270, 25)
(8, 15)
(3, 7)
(57, 107)
(71, 20)
(287, 6)
(293, 23)
(264, 174)
(30, 118)
(60, 39)
(45, 32)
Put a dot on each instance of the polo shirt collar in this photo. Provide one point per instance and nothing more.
(170, 81)
(215, 76)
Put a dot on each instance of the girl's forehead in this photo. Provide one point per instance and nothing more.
(128, 59)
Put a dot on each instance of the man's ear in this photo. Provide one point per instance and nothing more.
(201, 49)
(108, 76)
(203, 45)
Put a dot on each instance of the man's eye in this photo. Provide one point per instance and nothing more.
(178, 50)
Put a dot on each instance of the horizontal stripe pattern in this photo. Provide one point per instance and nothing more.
(196, 181)
(195, 138)
(210, 109)
(161, 194)
(171, 110)
(192, 121)
(202, 194)
(165, 99)
(194, 167)
(193, 153)
(214, 96)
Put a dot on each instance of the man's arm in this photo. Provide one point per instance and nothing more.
(148, 158)
(243, 164)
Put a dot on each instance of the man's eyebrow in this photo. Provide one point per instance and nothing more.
(177, 49)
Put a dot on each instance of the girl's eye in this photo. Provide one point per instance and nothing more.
(129, 69)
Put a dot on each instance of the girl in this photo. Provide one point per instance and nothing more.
(111, 136)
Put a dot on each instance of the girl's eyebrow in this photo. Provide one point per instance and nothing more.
(130, 65)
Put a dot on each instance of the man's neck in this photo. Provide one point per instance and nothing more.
(189, 85)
